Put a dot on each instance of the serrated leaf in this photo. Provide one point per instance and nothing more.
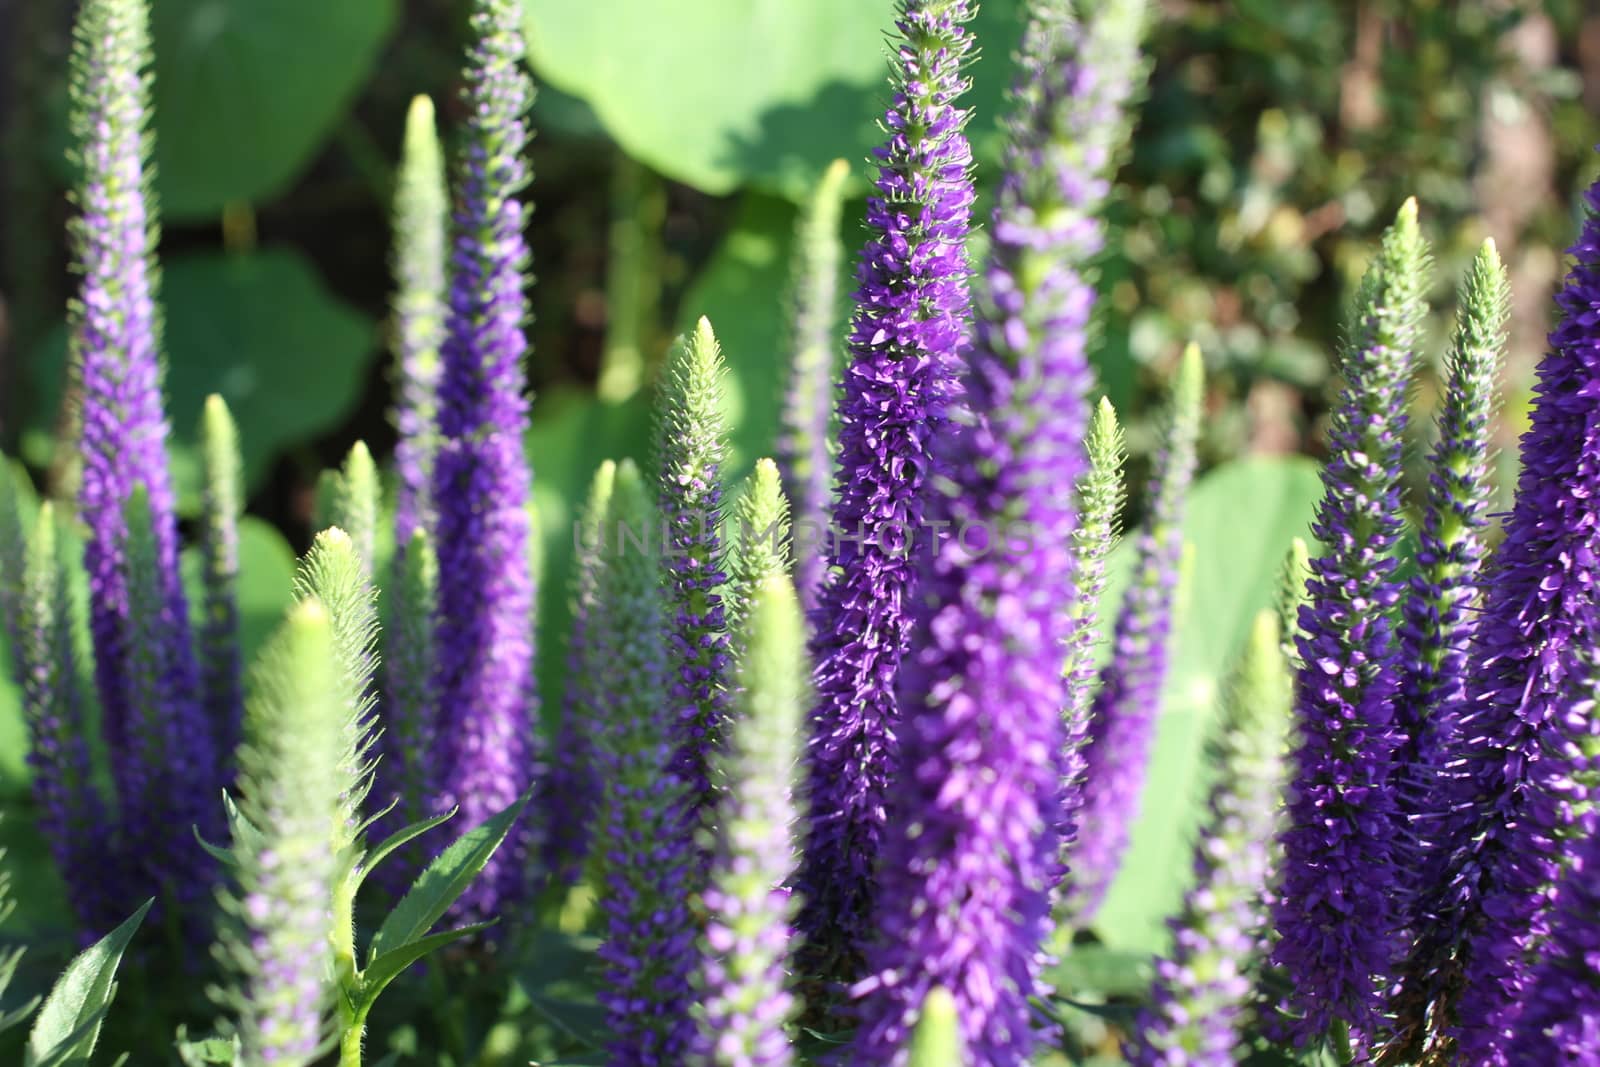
(69, 1023)
(445, 879)
(400, 838)
(389, 966)
(224, 856)
(207, 1051)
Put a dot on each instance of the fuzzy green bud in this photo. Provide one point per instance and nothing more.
(275, 940)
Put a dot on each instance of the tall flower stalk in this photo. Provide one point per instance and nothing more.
(1440, 615)
(645, 853)
(758, 542)
(1560, 1018)
(71, 816)
(691, 446)
(1123, 714)
(1335, 913)
(1528, 744)
(276, 939)
(970, 855)
(221, 666)
(421, 240)
(743, 981)
(1101, 494)
(483, 651)
(912, 308)
(805, 438)
(1203, 987)
(115, 345)
(572, 789)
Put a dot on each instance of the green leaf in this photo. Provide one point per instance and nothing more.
(1242, 518)
(206, 1050)
(765, 91)
(69, 1023)
(9, 958)
(445, 879)
(389, 966)
(261, 330)
(268, 80)
(400, 838)
(1091, 968)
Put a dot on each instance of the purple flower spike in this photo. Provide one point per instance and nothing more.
(691, 441)
(911, 315)
(970, 853)
(643, 850)
(123, 445)
(1336, 913)
(1203, 987)
(1560, 1018)
(1122, 718)
(1440, 617)
(483, 666)
(71, 815)
(1528, 744)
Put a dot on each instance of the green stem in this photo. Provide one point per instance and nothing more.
(350, 1042)
(352, 1021)
(633, 283)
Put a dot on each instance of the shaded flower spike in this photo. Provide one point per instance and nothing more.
(805, 440)
(421, 214)
(275, 937)
(408, 715)
(1336, 911)
(1440, 615)
(483, 636)
(115, 347)
(743, 982)
(1559, 1022)
(970, 853)
(1101, 494)
(1123, 715)
(162, 785)
(644, 853)
(17, 510)
(571, 791)
(691, 446)
(758, 541)
(1202, 989)
(72, 818)
(1527, 738)
(912, 310)
(222, 502)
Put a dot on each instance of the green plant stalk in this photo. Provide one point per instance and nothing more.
(352, 1020)
(633, 286)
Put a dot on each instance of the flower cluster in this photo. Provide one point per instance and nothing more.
(911, 309)
(847, 799)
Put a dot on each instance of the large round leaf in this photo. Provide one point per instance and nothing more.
(1241, 520)
(245, 91)
(716, 93)
(261, 330)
